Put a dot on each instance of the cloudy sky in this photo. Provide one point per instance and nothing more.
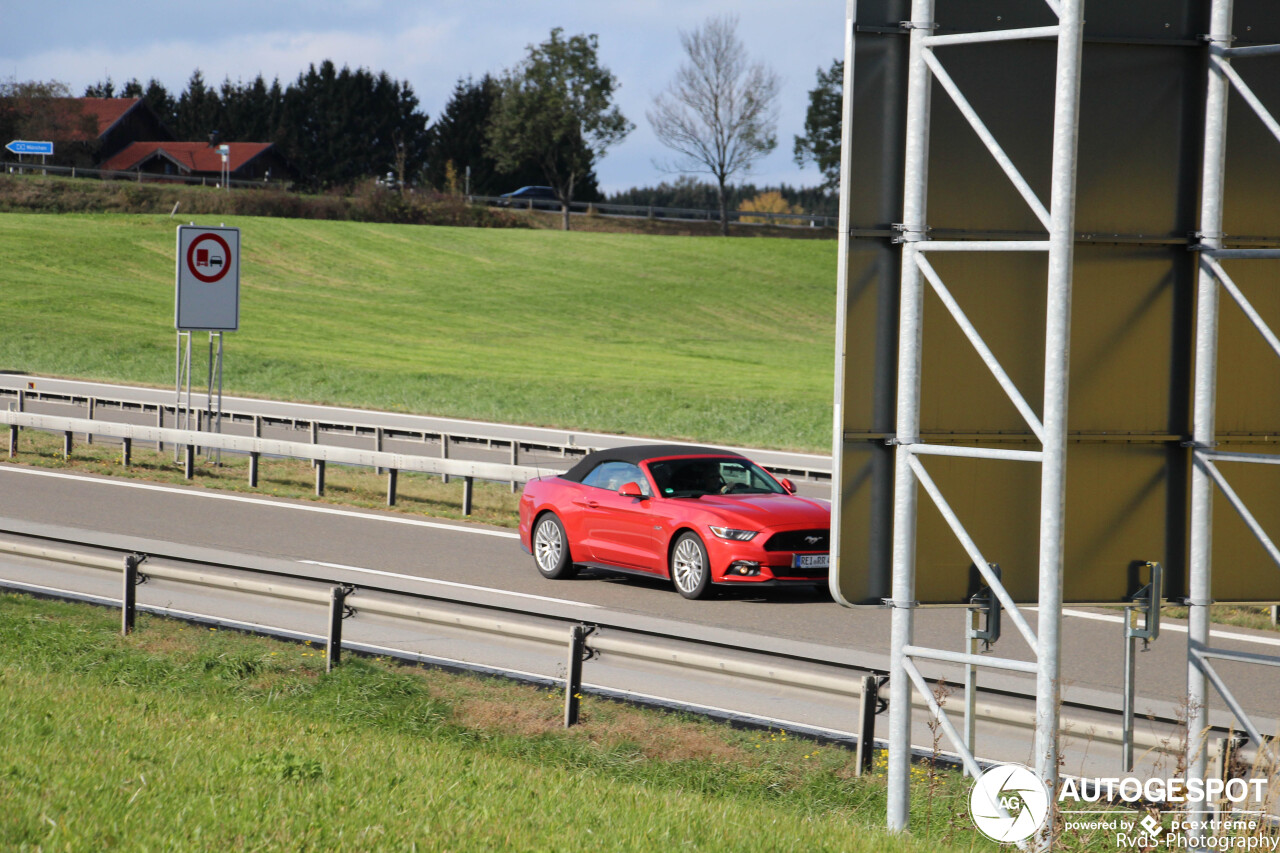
(428, 43)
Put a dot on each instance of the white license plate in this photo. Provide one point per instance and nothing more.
(811, 561)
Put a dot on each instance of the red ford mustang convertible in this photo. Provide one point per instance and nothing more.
(696, 515)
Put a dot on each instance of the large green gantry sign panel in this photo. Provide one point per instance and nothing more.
(1145, 66)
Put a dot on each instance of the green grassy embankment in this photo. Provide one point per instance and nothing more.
(726, 341)
(185, 738)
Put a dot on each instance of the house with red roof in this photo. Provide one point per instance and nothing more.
(86, 131)
(246, 161)
(125, 135)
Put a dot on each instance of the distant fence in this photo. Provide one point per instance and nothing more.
(629, 211)
(139, 177)
(684, 214)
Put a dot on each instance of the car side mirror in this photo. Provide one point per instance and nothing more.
(631, 490)
(789, 486)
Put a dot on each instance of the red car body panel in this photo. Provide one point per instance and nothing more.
(635, 534)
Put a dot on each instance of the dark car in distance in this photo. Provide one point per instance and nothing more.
(697, 516)
(526, 194)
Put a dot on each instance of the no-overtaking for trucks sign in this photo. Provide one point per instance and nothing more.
(208, 290)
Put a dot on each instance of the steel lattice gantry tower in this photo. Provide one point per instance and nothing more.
(959, 195)
(925, 65)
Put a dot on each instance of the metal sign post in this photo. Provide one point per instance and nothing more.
(207, 298)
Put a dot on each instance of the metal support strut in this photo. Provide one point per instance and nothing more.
(129, 594)
(1147, 602)
(338, 610)
(984, 609)
(578, 652)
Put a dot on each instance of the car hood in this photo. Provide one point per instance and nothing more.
(767, 510)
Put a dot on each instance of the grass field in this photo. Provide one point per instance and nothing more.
(727, 341)
(185, 738)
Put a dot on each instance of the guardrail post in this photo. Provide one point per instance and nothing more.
(392, 474)
(126, 451)
(189, 462)
(466, 495)
(867, 707)
(338, 611)
(573, 672)
(129, 593)
(319, 478)
(66, 445)
(253, 469)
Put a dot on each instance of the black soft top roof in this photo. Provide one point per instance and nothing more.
(637, 453)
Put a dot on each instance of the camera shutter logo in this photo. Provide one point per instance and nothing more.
(1009, 803)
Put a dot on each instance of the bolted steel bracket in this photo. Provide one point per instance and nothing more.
(347, 610)
(882, 695)
(986, 602)
(139, 578)
(588, 653)
(1148, 599)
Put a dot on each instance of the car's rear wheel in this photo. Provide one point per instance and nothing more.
(690, 567)
(551, 548)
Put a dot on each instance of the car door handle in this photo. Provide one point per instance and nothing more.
(587, 504)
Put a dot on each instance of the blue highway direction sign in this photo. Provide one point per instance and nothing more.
(22, 146)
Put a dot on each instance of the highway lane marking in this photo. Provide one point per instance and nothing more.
(446, 583)
(1164, 626)
(324, 510)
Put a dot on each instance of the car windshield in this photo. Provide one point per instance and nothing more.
(695, 477)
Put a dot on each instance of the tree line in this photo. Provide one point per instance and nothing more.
(547, 120)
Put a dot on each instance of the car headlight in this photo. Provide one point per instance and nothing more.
(736, 535)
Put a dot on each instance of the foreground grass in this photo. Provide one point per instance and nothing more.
(184, 738)
(725, 341)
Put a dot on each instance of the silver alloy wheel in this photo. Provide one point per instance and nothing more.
(548, 545)
(687, 565)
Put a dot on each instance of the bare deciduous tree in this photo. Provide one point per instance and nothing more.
(720, 113)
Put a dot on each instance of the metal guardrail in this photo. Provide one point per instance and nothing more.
(843, 681)
(566, 445)
(192, 440)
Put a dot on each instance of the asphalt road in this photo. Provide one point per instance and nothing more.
(491, 558)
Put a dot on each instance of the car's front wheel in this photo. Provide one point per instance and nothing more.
(690, 567)
(551, 548)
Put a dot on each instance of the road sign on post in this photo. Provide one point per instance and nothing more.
(23, 146)
(208, 279)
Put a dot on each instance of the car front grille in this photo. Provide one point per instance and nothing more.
(816, 574)
(799, 540)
